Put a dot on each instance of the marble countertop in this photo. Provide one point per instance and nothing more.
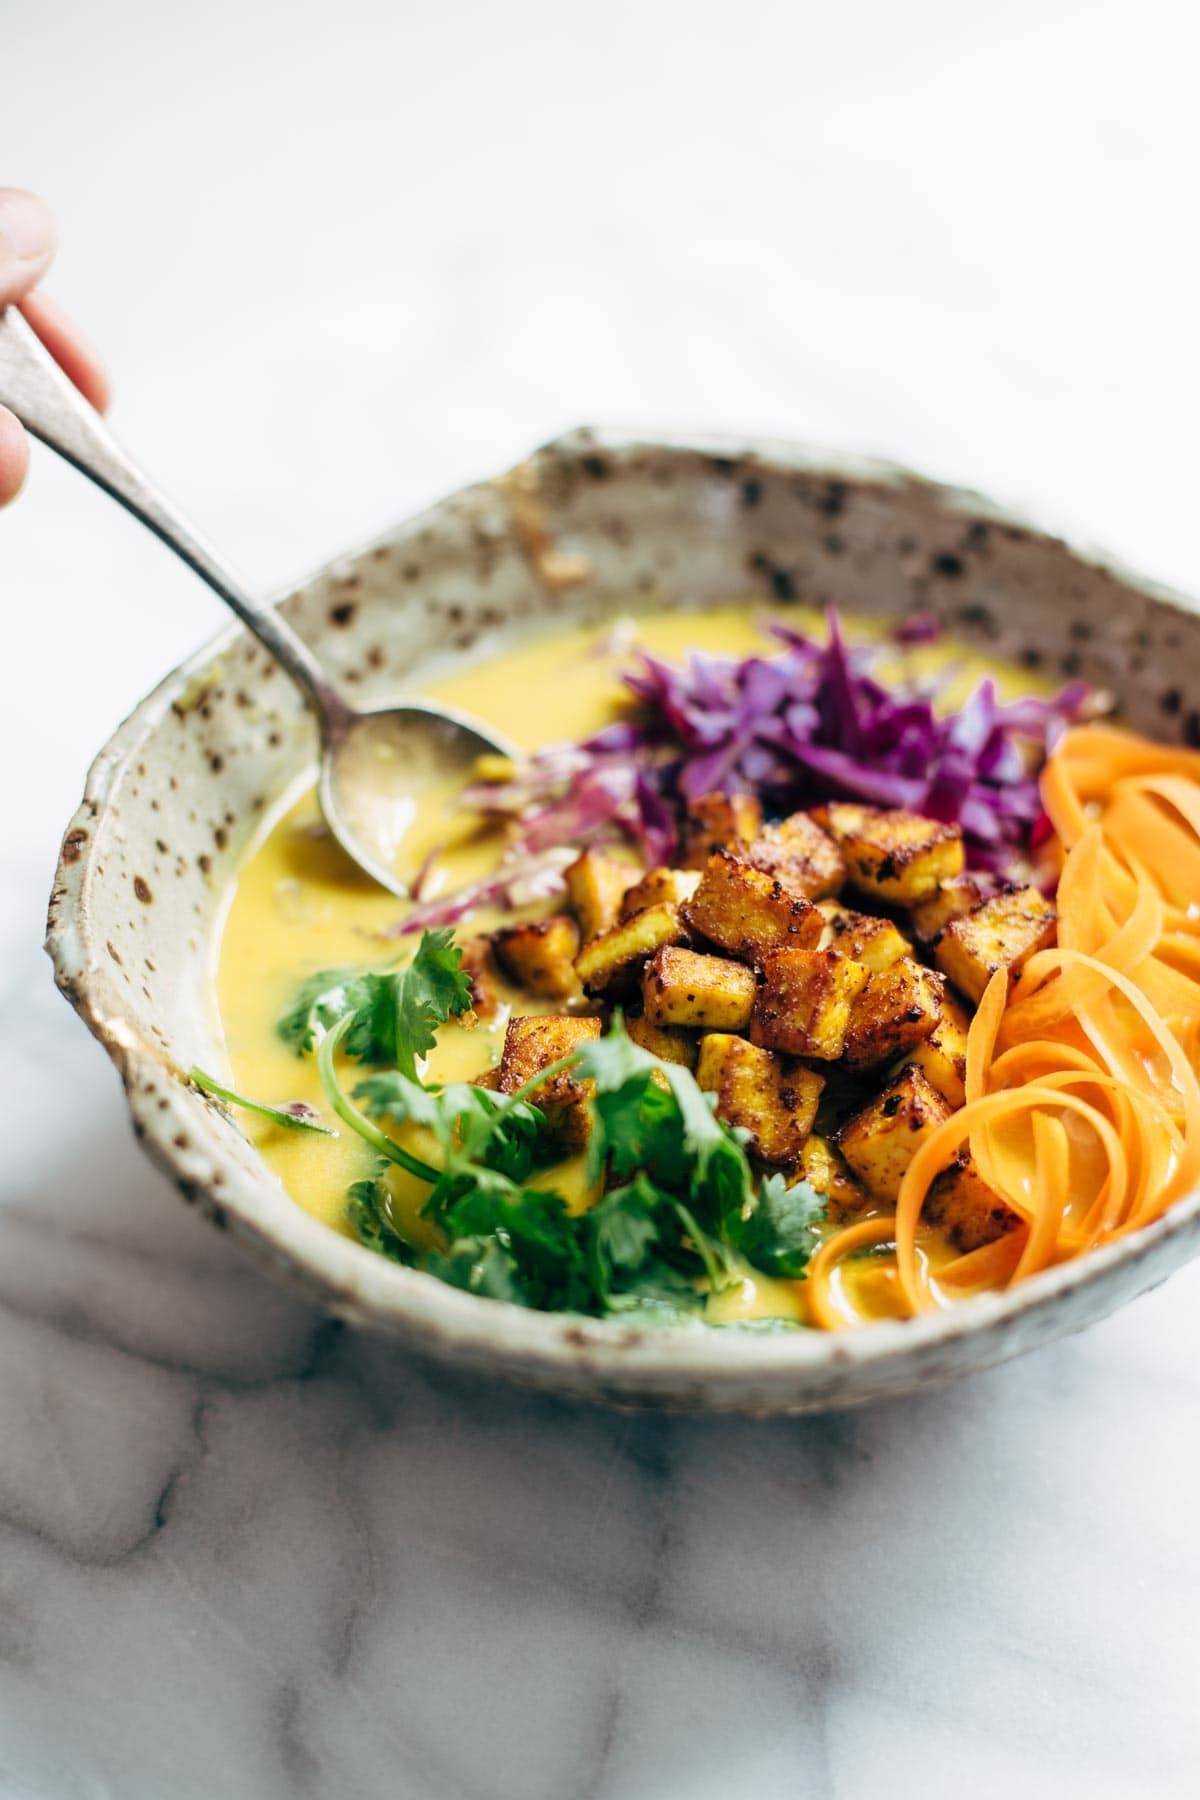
(342, 259)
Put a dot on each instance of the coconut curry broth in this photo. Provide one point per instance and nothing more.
(300, 906)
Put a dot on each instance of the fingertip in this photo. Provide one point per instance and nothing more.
(14, 457)
(27, 242)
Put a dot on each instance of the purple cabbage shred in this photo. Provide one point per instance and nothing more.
(809, 724)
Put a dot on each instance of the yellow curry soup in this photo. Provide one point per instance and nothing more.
(300, 907)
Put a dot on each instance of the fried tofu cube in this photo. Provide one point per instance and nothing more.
(748, 913)
(953, 900)
(825, 1170)
(673, 886)
(681, 987)
(880, 1141)
(531, 1044)
(1003, 933)
(596, 886)
(942, 1058)
(897, 1009)
(768, 1096)
(841, 818)
(616, 955)
(719, 822)
(876, 943)
(539, 955)
(800, 855)
(668, 1042)
(804, 1002)
(968, 1210)
(480, 969)
(894, 855)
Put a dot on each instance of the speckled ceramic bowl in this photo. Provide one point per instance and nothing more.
(589, 525)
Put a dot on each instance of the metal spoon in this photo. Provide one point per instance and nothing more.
(374, 765)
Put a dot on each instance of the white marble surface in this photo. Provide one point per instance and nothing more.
(344, 257)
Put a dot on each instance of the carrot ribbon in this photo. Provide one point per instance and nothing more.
(1082, 1101)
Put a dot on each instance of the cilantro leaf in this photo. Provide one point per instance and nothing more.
(635, 1253)
(368, 1211)
(433, 988)
(395, 1098)
(395, 1013)
(536, 1229)
(653, 1115)
(322, 1000)
(622, 1230)
(472, 1124)
(481, 1265)
(778, 1231)
(296, 1115)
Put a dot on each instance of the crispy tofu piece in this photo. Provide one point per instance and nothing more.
(1003, 933)
(616, 954)
(953, 899)
(768, 1096)
(596, 886)
(880, 1141)
(719, 822)
(804, 1002)
(876, 943)
(800, 855)
(896, 1010)
(531, 1044)
(968, 1210)
(480, 969)
(825, 1170)
(673, 886)
(746, 912)
(539, 955)
(840, 818)
(893, 855)
(942, 1058)
(668, 1042)
(681, 987)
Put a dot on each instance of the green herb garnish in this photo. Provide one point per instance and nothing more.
(297, 1115)
(682, 1214)
(778, 1232)
(368, 1212)
(394, 1013)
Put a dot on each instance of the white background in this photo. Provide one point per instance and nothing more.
(343, 258)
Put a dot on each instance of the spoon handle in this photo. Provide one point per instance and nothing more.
(34, 388)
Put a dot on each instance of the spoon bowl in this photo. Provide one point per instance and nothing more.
(389, 780)
(376, 767)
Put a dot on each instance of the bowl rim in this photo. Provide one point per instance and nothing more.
(358, 1283)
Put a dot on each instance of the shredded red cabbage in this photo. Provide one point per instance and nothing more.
(808, 724)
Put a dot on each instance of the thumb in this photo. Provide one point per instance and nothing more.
(26, 242)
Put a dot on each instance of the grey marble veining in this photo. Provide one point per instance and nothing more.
(246, 1554)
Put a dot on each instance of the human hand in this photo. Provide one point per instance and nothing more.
(26, 251)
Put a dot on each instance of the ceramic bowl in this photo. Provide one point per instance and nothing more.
(590, 525)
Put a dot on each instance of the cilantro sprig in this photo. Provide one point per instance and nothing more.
(393, 1014)
(295, 1115)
